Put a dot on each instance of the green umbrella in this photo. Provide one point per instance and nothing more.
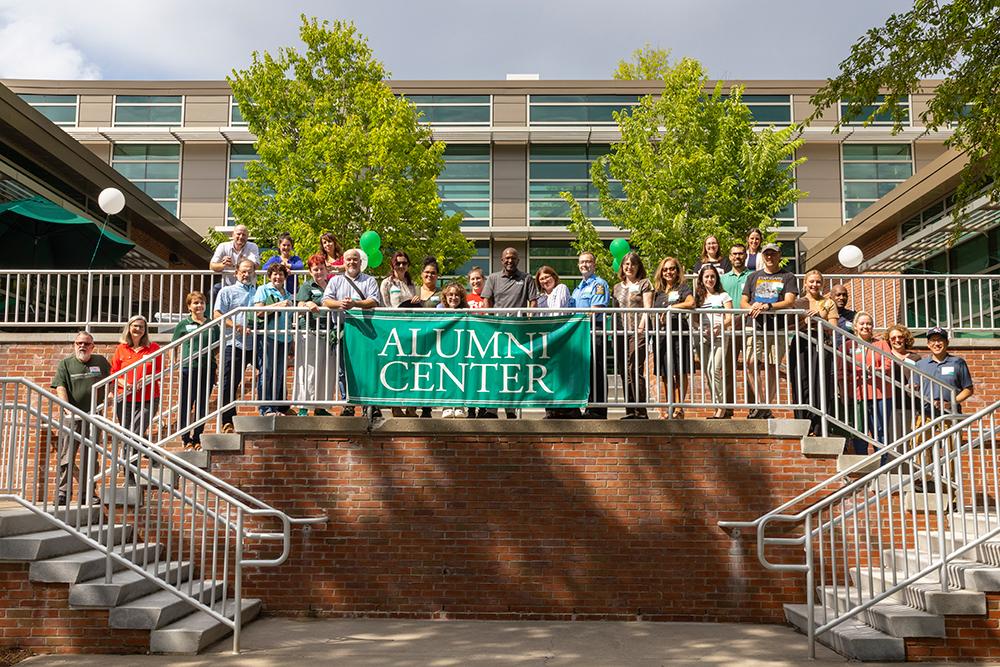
(37, 234)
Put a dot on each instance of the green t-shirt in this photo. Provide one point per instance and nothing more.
(79, 378)
(199, 348)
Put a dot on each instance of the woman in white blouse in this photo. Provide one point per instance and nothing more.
(709, 295)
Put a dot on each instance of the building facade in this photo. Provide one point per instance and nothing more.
(513, 146)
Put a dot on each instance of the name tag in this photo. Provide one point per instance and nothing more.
(191, 327)
(95, 370)
(947, 370)
(633, 289)
(673, 296)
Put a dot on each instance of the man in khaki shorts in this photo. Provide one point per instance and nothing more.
(767, 291)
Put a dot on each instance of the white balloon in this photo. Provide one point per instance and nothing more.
(111, 201)
(364, 259)
(850, 256)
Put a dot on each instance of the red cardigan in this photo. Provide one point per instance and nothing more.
(125, 356)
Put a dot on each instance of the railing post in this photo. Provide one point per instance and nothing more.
(237, 583)
(90, 297)
(947, 304)
(810, 589)
(939, 509)
(821, 380)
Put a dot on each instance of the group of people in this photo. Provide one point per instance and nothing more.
(647, 348)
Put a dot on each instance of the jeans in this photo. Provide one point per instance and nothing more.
(234, 363)
(273, 371)
(197, 383)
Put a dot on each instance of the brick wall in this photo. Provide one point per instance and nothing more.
(970, 638)
(524, 526)
(37, 617)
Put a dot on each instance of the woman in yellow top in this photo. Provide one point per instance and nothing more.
(809, 379)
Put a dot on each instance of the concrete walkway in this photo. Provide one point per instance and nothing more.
(271, 642)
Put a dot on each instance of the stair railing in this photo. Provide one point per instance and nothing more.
(905, 522)
(191, 535)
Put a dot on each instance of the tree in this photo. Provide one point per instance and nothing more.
(338, 151)
(690, 164)
(956, 41)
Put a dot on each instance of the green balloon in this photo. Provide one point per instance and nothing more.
(617, 263)
(619, 248)
(374, 258)
(371, 241)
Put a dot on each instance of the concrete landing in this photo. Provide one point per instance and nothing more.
(395, 643)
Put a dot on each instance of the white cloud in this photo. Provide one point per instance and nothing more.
(33, 48)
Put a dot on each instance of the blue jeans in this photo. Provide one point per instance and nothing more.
(234, 363)
(196, 389)
(273, 369)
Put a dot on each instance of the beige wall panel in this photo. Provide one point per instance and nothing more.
(925, 152)
(801, 108)
(918, 105)
(203, 186)
(510, 110)
(510, 185)
(820, 212)
(95, 110)
(206, 110)
(101, 150)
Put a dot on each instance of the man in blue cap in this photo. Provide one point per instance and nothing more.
(592, 292)
(950, 370)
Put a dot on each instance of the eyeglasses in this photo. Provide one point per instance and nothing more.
(671, 268)
(83, 344)
(897, 337)
(402, 263)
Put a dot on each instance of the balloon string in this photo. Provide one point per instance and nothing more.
(100, 236)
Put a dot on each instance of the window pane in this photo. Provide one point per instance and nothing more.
(861, 170)
(861, 191)
(551, 190)
(48, 99)
(159, 189)
(471, 209)
(449, 99)
(898, 171)
(452, 170)
(454, 114)
(246, 151)
(59, 115)
(893, 150)
(143, 151)
(158, 115)
(574, 170)
(548, 209)
(585, 99)
(852, 208)
(771, 114)
(450, 190)
(149, 99)
(460, 152)
(885, 188)
(573, 114)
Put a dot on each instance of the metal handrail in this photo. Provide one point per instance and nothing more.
(107, 298)
(193, 506)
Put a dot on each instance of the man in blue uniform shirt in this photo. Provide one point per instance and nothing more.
(949, 369)
(592, 292)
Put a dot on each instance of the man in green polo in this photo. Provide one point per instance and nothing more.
(74, 380)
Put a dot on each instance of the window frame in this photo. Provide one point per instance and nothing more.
(116, 104)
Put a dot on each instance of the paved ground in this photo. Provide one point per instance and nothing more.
(271, 642)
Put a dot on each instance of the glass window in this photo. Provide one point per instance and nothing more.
(239, 156)
(480, 258)
(464, 183)
(235, 116)
(871, 171)
(153, 168)
(453, 109)
(769, 109)
(148, 110)
(60, 109)
(884, 118)
(560, 255)
(577, 109)
(556, 168)
(786, 216)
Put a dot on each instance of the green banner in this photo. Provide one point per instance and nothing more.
(456, 359)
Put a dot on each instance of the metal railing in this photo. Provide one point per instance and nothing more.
(189, 535)
(106, 299)
(906, 522)
(664, 359)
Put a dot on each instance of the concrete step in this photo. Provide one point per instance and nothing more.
(888, 616)
(845, 461)
(986, 554)
(197, 459)
(964, 573)
(130, 496)
(20, 520)
(199, 630)
(925, 595)
(819, 447)
(163, 607)
(84, 565)
(125, 586)
(222, 442)
(168, 479)
(852, 639)
(52, 543)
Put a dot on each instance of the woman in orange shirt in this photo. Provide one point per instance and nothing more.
(139, 388)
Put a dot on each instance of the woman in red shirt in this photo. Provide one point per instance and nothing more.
(139, 388)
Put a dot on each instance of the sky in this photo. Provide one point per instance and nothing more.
(434, 39)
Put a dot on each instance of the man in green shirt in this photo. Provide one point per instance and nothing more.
(733, 281)
(74, 380)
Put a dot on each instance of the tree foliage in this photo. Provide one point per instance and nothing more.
(690, 165)
(338, 151)
(956, 41)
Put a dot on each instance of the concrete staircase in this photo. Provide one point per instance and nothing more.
(917, 610)
(133, 601)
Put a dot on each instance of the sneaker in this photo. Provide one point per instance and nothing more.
(458, 413)
(320, 412)
(303, 412)
(447, 413)
(347, 411)
(228, 428)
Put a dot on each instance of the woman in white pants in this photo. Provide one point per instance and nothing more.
(315, 358)
(708, 294)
